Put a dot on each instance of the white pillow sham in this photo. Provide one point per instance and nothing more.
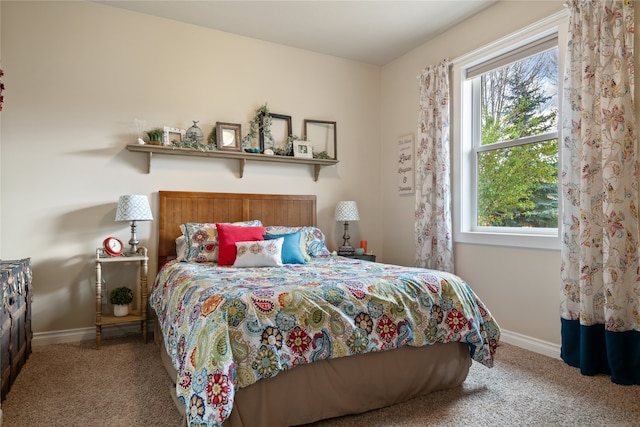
(259, 253)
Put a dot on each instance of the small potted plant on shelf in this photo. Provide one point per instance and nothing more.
(155, 136)
(121, 298)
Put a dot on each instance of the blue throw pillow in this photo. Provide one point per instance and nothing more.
(290, 248)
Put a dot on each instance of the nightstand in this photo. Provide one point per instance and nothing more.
(364, 257)
(139, 287)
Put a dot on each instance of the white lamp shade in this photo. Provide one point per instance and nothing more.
(133, 208)
(347, 211)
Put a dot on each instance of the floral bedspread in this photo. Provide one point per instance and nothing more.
(225, 328)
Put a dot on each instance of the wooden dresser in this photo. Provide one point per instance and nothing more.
(15, 316)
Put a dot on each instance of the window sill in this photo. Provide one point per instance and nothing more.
(527, 241)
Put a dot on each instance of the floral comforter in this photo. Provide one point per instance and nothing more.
(226, 328)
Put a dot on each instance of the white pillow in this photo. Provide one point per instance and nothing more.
(181, 248)
(259, 253)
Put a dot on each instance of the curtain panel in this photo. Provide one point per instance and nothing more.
(433, 225)
(600, 298)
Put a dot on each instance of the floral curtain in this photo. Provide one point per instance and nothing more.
(433, 229)
(600, 306)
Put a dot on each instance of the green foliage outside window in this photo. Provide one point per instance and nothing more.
(518, 185)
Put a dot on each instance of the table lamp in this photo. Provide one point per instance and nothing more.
(346, 211)
(133, 208)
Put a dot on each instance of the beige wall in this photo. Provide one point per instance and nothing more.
(79, 73)
(520, 287)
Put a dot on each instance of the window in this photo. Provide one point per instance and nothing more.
(506, 151)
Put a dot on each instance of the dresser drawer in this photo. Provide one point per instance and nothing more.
(15, 320)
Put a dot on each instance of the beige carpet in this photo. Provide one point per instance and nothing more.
(123, 384)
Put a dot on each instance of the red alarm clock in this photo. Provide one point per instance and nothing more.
(113, 246)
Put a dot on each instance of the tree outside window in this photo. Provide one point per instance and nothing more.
(517, 149)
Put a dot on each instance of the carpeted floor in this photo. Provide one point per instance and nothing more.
(123, 384)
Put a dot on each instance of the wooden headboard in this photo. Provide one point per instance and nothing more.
(179, 207)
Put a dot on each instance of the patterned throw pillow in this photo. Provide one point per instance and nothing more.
(316, 245)
(291, 248)
(202, 240)
(312, 242)
(229, 235)
(260, 253)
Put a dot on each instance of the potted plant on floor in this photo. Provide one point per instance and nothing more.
(121, 298)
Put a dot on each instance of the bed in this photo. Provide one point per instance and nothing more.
(293, 344)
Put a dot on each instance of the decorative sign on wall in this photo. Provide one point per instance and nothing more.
(406, 161)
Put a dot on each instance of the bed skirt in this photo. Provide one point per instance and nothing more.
(346, 385)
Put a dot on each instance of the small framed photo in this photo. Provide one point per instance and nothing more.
(302, 149)
(172, 135)
(228, 136)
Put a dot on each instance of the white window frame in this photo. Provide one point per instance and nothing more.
(464, 156)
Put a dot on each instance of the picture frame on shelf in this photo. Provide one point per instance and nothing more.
(322, 135)
(171, 133)
(302, 149)
(279, 130)
(228, 136)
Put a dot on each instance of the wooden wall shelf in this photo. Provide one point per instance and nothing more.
(241, 157)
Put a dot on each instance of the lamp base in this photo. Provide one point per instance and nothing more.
(133, 242)
(346, 251)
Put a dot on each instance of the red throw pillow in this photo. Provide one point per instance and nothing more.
(228, 235)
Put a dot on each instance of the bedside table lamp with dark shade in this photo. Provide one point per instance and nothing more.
(133, 208)
(346, 211)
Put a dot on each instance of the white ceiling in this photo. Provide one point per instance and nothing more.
(374, 32)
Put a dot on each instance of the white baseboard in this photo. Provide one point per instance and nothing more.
(85, 334)
(529, 343)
